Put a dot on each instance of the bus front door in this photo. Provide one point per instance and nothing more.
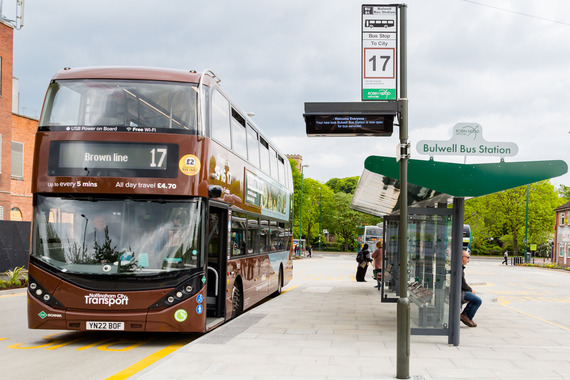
(216, 265)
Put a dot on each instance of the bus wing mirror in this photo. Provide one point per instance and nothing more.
(214, 191)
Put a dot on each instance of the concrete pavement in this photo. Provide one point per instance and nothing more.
(333, 329)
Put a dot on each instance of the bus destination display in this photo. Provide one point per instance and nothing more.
(106, 159)
(349, 125)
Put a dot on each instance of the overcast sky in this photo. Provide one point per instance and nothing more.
(501, 63)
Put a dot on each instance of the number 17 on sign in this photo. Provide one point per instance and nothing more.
(379, 63)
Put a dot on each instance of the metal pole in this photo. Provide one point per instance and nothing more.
(403, 306)
(456, 270)
(526, 258)
(320, 217)
(301, 217)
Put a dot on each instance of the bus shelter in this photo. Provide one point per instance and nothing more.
(435, 231)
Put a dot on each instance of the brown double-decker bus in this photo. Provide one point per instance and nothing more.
(158, 204)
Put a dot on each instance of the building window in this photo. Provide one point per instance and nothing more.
(562, 219)
(561, 250)
(17, 160)
(1, 213)
(16, 214)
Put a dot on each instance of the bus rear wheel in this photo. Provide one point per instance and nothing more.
(279, 283)
(237, 301)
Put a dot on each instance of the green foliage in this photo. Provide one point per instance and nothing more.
(498, 220)
(327, 206)
(564, 192)
(14, 278)
(545, 266)
(343, 185)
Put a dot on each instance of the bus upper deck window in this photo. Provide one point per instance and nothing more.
(121, 103)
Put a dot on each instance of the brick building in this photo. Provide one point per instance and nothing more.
(561, 247)
(23, 135)
(16, 140)
(6, 53)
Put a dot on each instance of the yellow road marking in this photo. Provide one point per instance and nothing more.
(13, 295)
(505, 303)
(291, 288)
(142, 364)
(93, 344)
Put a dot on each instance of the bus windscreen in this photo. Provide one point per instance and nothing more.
(120, 105)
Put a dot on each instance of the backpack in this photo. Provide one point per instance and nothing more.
(359, 257)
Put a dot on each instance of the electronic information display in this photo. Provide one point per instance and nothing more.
(113, 159)
(349, 125)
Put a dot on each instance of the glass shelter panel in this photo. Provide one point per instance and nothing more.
(429, 268)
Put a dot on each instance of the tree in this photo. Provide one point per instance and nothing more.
(564, 192)
(313, 193)
(344, 221)
(345, 185)
(502, 215)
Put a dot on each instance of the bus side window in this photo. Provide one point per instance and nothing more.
(252, 236)
(238, 234)
(276, 237)
(281, 164)
(252, 146)
(264, 155)
(239, 144)
(273, 163)
(264, 236)
(221, 130)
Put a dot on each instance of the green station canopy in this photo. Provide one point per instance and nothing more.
(468, 180)
(431, 183)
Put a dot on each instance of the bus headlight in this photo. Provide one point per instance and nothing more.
(182, 292)
(41, 294)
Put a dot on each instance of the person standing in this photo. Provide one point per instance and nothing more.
(363, 258)
(473, 301)
(506, 258)
(377, 259)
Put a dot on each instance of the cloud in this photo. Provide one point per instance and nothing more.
(466, 62)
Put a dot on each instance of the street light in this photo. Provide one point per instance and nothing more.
(301, 220)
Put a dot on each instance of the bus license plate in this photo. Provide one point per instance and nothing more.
(105, 325)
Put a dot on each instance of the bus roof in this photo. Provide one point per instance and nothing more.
(142, 73)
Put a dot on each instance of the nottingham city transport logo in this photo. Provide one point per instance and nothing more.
(107, 299)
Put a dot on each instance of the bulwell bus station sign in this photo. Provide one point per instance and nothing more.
(467, 140)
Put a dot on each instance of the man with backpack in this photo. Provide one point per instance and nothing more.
(362, 258)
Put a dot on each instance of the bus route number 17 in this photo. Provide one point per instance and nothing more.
(157, 154)
(379, 63)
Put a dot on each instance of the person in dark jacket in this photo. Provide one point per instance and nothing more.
(363, 258)
(473, 301)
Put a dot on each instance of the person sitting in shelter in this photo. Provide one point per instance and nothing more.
(468, 295)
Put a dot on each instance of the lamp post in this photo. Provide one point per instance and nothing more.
(301, 217)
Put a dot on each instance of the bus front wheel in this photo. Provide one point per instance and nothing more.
(237, 301)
